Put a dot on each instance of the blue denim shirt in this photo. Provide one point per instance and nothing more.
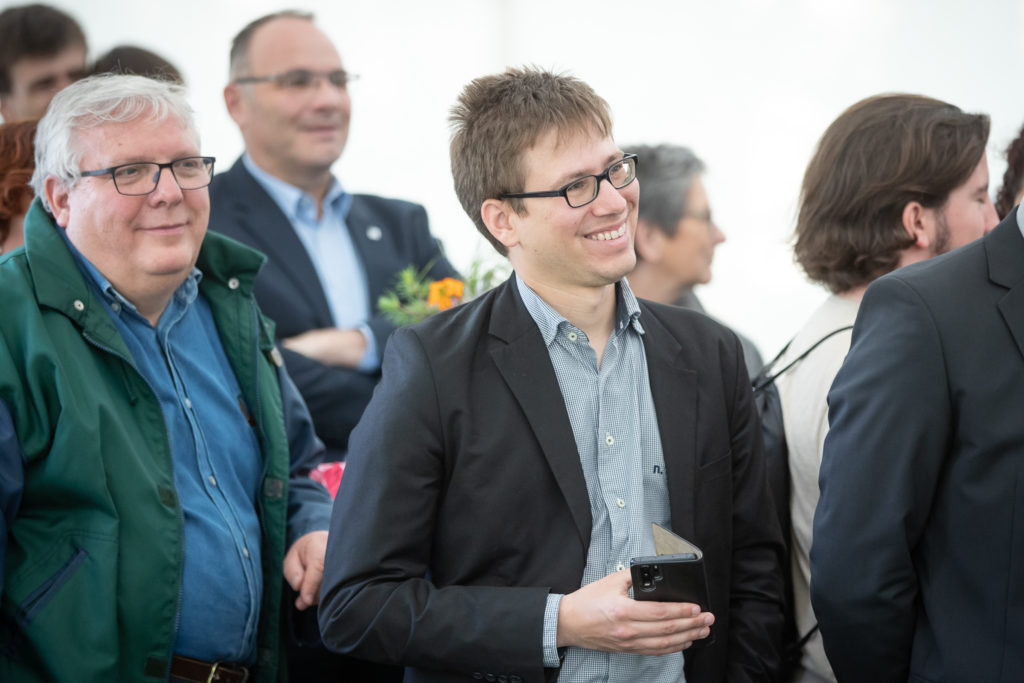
(217, 466)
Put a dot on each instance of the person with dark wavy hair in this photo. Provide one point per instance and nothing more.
(16, 166)
(1012, 190)
(895, 179)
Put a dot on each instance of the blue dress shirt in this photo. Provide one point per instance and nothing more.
(329, 245)
(217, 466)
(611, 411)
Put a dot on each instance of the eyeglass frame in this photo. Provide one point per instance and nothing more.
(277, 79)
(563, 191)
(209, 161)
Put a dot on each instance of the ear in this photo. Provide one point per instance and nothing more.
(919, 222)
(499, 218)
(649, 242)
(234, 101)
(58, 196)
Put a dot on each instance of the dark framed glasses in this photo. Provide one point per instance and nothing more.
(302, 79)
(142, 177)
(582, 191)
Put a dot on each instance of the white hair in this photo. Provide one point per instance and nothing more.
(96, 101)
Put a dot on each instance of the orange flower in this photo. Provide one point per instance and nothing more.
(445, 293)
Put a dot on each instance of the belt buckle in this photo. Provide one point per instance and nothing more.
(214, 670)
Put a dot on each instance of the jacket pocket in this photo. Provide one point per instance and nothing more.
(717, 468)
(41, 596)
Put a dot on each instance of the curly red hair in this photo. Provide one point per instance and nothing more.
(17, 162)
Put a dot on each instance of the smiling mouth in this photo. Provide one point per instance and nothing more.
(609, 235)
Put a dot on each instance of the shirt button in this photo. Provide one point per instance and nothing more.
(619, 567)
(79, 306)
(245, 551)
(621, 503)
(609, 439)
(188, 403)
(116, 307)
(573, 336)
(233, 283)
(213, 480)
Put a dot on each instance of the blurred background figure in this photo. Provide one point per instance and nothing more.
(42, 51)
(676, 235)
(1012, 189)
(129, 59)
(895, 179)
(16, 167)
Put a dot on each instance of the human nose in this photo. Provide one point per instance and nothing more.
(167, 188)
(717, 236)
(609, 199)
(325, 92)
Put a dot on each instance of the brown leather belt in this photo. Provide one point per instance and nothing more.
(198, 671)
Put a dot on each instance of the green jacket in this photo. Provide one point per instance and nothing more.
(92, 573)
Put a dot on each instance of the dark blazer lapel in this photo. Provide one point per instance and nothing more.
(378, 275)
(272, 233)
(525, 365)
(674, 390)
(1004, 248)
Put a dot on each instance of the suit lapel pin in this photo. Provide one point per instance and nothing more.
(373, 233)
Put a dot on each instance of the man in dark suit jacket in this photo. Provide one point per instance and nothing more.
(288, 95)
(518, 448)
(330, 254)
(918, 558)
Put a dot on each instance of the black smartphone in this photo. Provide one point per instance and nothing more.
(672, 578)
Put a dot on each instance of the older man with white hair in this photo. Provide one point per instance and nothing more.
(152, 449)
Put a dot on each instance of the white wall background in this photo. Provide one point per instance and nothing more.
(750, 85)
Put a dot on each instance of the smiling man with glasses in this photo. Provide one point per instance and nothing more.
(331, 254)
(155, 455)
(519, 447)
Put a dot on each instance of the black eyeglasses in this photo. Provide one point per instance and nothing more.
(582, 191)
(302, 79)
(133, 180)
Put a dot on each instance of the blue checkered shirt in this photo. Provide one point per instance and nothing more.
(611, 411)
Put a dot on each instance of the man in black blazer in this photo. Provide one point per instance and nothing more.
(518, 447)
(918, 559)
(331, 255)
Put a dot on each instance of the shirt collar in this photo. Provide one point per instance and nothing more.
(294, 202)
(1020, 218)
(627, 311)
(186, 292)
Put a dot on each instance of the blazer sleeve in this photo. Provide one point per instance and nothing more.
(756, 590)
(378, 601)
(890, 414)
(335, 397)
(309, 503)
(12, 481)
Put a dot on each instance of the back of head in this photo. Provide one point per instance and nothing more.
(879, 155)
(665, 173)
(16, 164)
(498, 117)
(34, 31)
(96, 101)
(128, 59)
(1013, 177)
